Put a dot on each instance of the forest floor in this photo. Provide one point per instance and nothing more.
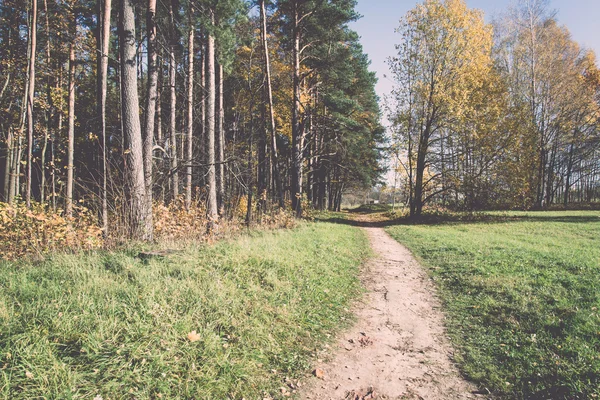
(398, 348)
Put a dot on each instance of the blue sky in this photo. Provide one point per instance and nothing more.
(380, 18)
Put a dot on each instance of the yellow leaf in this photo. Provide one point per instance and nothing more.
(193, 336)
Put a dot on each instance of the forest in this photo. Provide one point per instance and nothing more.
(115, 114)
(501, 115)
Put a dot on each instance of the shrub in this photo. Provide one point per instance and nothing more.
(38, 230)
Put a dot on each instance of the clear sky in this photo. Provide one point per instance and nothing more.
(381, 17)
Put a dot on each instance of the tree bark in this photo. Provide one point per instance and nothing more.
(272, 127)
(151, 107)
(190, 115)
(213, 213)
(30, 94)
(173, 115)
(203, 138)
(296, 184)
(71, 131)
(104, 35)
(48, 112)
(220, 143)
(135, 189)
(8, 169)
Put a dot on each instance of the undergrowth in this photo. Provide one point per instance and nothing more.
(38, 231)
(226, 321)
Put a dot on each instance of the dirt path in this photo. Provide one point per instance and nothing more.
(398, 348)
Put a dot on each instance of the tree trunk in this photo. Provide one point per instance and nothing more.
(272, 128)
(213, 213)
(220, 143)
(190, 116)
(8, 168)
(417, 206)
(135, 189)
(71, 131)
(569, 172)
(262, 178)
(250, 172)
(104, 43)
(296, 184)
(151, 107)
(173, 110)
(30, 93)
(49, 111)
(203, 138)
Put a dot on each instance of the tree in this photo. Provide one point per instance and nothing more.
(151, 106)
(445, 47)
(272, 132)
(104, 10)
(313, 26)
(174, 173)
(30, 99)
(71, 112)
(139, 225)
(213, 213)
(190, 112)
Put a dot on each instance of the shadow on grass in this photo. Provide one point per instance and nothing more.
(362, 217)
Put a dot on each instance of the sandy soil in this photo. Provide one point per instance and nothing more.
(398, 348)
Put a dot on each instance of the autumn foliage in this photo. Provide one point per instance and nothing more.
(38, 230)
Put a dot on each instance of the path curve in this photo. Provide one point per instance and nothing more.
(398, 348)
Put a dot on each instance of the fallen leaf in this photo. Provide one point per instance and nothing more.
(29, 375)
(319, 373)
(193, 336)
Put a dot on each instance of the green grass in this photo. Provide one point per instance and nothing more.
(522, 293)
(112, 325)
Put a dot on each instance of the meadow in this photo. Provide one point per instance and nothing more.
(237, 319)
(521, 291)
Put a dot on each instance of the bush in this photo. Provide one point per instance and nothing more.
(38, 230)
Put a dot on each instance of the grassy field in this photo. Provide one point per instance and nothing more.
(231, 320)
(522, 293)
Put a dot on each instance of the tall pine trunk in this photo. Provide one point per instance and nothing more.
(30, 94)
(71, 131)
(104, 10)
(213, 213)
(203, 138)
(151, 101)
(269, 92)
(8, 167)
(190, 115)
(296, 184)
(135, 189)
(220, 142)
(173, 110)
(49, 109)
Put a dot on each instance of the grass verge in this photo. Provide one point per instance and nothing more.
(115, 326)
(522, 293)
